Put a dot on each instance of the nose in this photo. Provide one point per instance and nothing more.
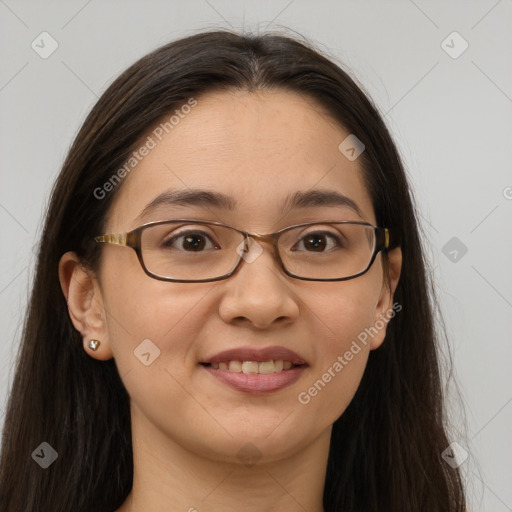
(259, 293)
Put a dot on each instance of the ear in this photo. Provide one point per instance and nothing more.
(385, 309)
(85, 304)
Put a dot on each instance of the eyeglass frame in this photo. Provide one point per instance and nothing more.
(132, 239)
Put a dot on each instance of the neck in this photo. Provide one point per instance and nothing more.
(169, 477)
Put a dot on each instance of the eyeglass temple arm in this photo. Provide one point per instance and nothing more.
(386, 239)
(116, 239)
(391, 239)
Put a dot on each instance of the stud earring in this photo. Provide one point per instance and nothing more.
(94, 344)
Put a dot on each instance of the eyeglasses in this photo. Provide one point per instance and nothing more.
(196, 251)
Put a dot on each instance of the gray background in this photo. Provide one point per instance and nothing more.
(451, 118)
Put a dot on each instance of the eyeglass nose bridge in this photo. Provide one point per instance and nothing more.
(271, 238)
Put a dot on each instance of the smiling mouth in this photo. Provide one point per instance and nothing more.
(254, 367)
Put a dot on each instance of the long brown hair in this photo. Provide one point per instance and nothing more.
(385, 452)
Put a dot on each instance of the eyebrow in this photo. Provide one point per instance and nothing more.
(212, 199)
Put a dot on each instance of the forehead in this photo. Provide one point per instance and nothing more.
(259, 148)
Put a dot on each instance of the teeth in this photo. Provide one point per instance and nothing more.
(235, 366)
(266, 367)
(254, 367)
(250, 367)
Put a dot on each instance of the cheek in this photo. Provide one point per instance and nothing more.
(140, 308)
(153, 328)
(343, 320)
(342, 313)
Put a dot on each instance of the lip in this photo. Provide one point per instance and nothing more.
(256, 354)
(256, 384)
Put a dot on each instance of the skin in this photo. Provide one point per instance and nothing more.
(187, 427)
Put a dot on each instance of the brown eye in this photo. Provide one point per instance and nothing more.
(190, 242)
(319, 242)
(315, 242)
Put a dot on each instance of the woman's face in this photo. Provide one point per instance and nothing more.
(259, 149)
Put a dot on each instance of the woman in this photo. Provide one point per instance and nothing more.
(176, 358)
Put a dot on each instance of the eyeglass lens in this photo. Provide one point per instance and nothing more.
(206, 251)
